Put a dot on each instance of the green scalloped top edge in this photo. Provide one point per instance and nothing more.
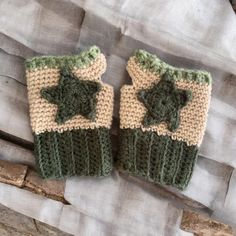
(152, 63)
(81, 60)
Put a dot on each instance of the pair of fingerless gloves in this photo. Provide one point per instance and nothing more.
(162, 117)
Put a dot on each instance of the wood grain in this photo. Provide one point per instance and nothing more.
(14, 109)
(16, 224)
(50, 188)
(12, 173)
(21, 176)
(17, 154)
(201, 225)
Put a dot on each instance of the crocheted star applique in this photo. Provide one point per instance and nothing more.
(163, 103)
(73, 96)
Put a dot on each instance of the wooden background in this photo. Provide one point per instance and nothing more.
(208, 206)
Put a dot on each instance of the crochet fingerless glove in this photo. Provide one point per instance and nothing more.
(71, 114)
(162, 119)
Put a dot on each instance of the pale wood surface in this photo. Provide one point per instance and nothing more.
(14, 109)
(16, 224)
(67, 27)
(201, 225)
(50, 188)
(21, 176)
(16, 154)
(12, 174)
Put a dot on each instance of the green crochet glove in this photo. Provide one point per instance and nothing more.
(162, 120)
(71, 114)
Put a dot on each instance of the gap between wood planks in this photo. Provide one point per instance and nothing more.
(23, 177)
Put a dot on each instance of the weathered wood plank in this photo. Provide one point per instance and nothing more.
(16, 154)
(21, 176)
(203, 226)
(50, 188)
(166, 192)
(12, 173)
(14, 118)
(191, 222)
(13, 47)
(13, 66)
(210, 179)
(228, 210)
(15, 224)
(10, 154)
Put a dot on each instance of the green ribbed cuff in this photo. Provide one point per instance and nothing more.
(157, 158)
(81, 152)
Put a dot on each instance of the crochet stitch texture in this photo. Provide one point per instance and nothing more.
(71, 114)
(162, 119)
(163, 102)
(73, 96)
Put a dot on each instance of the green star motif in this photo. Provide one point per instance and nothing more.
(73, 96)
(163, 103)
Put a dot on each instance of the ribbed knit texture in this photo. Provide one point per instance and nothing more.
(157, 158)
(71, 114)
(162, 119)
(78, 152)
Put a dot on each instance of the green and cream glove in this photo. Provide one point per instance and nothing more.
(162, 119)
(71, 114)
